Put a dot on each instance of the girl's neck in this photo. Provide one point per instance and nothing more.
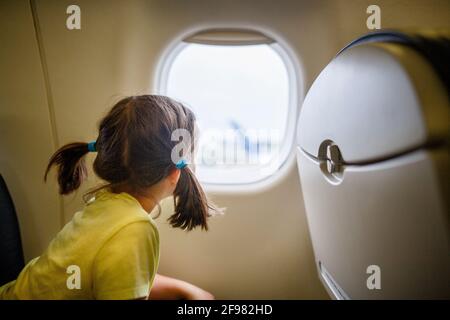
(147, 200)
(147, 203)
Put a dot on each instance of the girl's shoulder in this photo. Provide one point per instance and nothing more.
(109, 212)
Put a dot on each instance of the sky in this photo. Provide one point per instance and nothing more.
(229, 87)
(247, 84)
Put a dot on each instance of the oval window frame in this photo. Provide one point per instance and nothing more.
(296, 96)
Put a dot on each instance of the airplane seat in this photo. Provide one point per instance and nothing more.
(373, 159)
(11, 253)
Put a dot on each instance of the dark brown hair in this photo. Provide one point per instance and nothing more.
(134, 147)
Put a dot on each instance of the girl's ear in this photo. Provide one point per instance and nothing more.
(174, 176)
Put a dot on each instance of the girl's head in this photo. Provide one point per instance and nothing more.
(135, 149)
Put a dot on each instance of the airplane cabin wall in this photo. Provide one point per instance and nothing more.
(26, 139)
(261, 247)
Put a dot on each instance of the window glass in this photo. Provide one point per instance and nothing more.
(240, 95)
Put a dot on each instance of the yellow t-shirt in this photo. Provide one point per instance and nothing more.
(110, 250)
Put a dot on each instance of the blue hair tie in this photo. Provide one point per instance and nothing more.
(92, 146)
(181, 164)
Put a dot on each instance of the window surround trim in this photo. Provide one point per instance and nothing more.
(296, 96)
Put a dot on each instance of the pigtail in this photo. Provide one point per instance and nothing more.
(192, 207)
(71, 166)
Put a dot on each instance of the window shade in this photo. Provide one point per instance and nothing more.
(229, 37)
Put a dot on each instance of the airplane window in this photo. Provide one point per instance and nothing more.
(241, 97)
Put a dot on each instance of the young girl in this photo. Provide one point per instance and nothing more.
(110, 249)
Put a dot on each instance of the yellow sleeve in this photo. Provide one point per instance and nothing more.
(126, 265)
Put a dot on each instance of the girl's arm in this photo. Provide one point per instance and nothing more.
(166, 288)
